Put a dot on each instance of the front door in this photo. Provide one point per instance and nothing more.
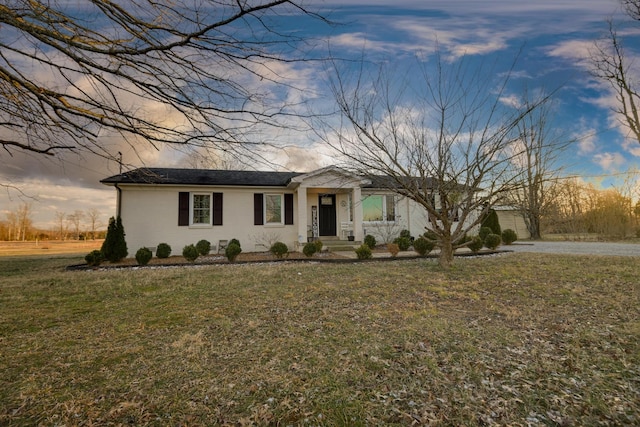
(327, 214)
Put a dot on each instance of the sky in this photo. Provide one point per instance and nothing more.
(552, 36)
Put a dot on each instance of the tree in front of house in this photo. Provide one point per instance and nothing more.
(444, 139)
(114, 247)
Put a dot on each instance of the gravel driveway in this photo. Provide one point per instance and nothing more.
(578, 248)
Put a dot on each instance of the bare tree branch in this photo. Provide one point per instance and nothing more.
(610, 64)
(164, 72)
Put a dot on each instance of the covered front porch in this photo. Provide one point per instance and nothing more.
(328, 205)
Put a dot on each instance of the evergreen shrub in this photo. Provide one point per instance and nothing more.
(234, 241)
(309, 249)
(364, 252)
(476, 244)
(370, 241)
(163, 250)
(232, 251)
(114, 247)
(94, 258)
(407, 234)
(491, 220)
(484, 232)
(279, 249)
(143, 256)
(509, 236)
(492, 241)
(423, 245)
(204, 247)
(430, 235)
(319, 245)
(404, 243)
(190, 253)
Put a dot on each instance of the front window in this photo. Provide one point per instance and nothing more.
(201, 209)
(378, 208)
(273, 208)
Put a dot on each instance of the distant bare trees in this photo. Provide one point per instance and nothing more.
(18, 225)
(577, 208)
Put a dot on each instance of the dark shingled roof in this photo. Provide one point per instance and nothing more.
(225, 177)
(201, 177)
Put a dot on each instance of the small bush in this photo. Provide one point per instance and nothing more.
(203, 247)
(476, 244)
(407, 234)
(393, 249)
(190, 253)
(163, 250)
(309, 249)
(509, 236)
(492, 241)
(143, 256)
(94, 258)
(404, 243)
(279, 249)
(430, 235)
(370, 241)
(364, 252)
(319, 245)
(232, 251)
(236, 241)
(423, 246)
(484, 232)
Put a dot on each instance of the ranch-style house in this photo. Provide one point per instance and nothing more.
(183, 206)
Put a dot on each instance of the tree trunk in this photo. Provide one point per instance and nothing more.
(446, 253)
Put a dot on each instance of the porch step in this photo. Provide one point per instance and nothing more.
(340, 245)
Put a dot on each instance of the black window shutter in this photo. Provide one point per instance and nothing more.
(288, 209)
(217, 208)
(258, 214)
(183, 208)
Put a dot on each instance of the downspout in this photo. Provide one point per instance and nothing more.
(118, 200)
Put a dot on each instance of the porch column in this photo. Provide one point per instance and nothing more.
(356, 201)
(302, 215)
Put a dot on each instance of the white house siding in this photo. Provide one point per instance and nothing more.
(409, 216)
(511, 218)
(150, 216)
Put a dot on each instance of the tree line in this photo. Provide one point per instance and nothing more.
(78, 225)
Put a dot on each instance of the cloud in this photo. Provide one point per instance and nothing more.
(609, 162)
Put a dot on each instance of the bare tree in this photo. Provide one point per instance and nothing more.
(60, 225)
(537, 150)
(93, 215)
(75, 219)
(174, 72)
(20, 222)
(445, 142)
(611, 64)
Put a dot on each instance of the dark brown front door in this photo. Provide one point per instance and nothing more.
(327, 214)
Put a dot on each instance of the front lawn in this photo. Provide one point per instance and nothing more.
(515, 339)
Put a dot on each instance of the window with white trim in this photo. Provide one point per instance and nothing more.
(378, 208)
(201, 212)
(273, 209)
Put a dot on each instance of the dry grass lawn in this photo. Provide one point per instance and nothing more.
(515, 339)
